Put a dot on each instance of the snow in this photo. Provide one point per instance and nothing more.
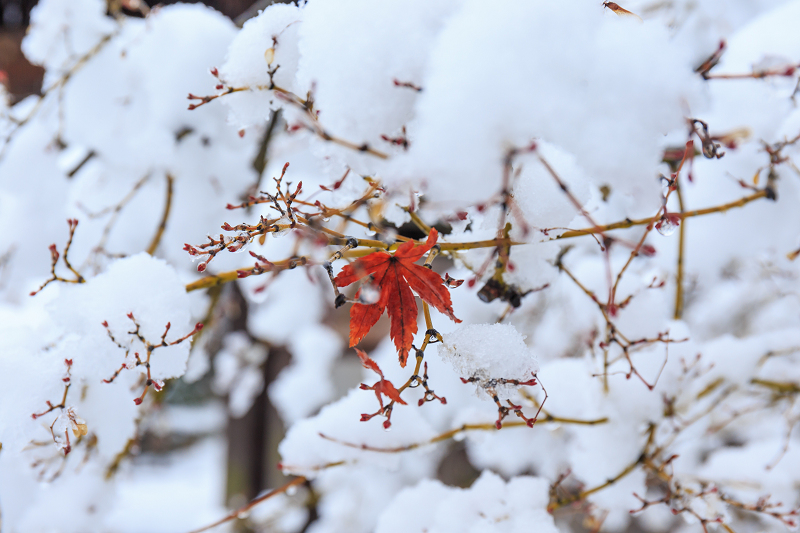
(238, 373)
(500, 78)
(315, 351)
(488, 353)
(304, 450)
(192, 480)
(364, 103)
(80, 308)
(480, 98)
(266, 41)
(490, 504)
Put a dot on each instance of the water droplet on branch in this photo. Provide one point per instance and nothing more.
(667, 225)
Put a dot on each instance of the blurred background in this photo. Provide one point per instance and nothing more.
(23, 79)
(183, 416)
(190, 413)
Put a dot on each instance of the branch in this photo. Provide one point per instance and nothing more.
(231, 275)
(292, 262)
(681, 247)
(163, 224)
(54, 256)
(628, 223)
(447, 435)
(234, 514)
(786, 71)
(779, 387)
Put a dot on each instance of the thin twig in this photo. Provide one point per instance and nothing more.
(163, 224)
(447, 435)
(242, 510)
(681, 254)
(628, 223)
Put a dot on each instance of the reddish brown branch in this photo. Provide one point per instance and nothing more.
(54, 256)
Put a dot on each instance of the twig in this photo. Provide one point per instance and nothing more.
(628, 223)
(290, 263)
(54, 256)
(447, 435)
(163, 224)
(242, 510)
(115, 211)
(786, 71)
(149, 349)
(681, 254)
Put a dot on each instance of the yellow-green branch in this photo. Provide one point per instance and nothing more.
(373, 246)
(681, 247)
(447, 435)
(780, 387)
(628, 223)
(163, 224)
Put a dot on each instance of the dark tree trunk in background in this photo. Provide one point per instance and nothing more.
(253, 439)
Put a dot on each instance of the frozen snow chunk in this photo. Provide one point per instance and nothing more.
(490, 505)
(262, 54)
(491, 355)
(132, 90)
(68, 422)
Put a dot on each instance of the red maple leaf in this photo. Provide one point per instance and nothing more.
(383, 386)
(396, 275)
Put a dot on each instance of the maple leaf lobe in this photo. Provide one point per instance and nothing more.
(396, 275)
